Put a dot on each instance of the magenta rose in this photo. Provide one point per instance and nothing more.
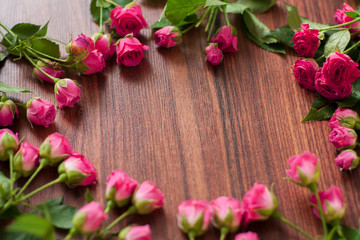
(8, 142)
(26, 159)
(89, 218)
(127, 20)
(130, 51)
(347, 160)
(227, 213)
(167, 36)
(306, 41)
(247, 236)
(119, 188)
(226, 38)
(147, 198)
(80, 47)
(54, 71)
(341, 17)
(329, 90)
(40, 112)
(105, 45)
(55, 148)
(8, 112)
(213, 54)
(304, 71)
(345, 117)
(135, 233)
(304, 169)
(343, 138)
(67, 93)
(94, 63)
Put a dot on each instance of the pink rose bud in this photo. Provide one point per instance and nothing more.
(54, 70)
(247, 236)
(94, 63)
(127, 20)
(8, 111)
(226, 38)
(345, 117)
(80, 47)
(213, 54)
(306, 41)
(40, 112)
(104, 44)
(332, 202)
(304, 169)
(343, 138)
(26, 159)
(9, 142)
(341, 17)
(89, 218)
(67, 93)
(227, 213)
(259, 203)
(55, 148)
(304, 71)
(78, 170)
(347, 160)
(147, 198)
(194, 216)
(135, 233)
(120, 188)
(130, 51)
(167, 36)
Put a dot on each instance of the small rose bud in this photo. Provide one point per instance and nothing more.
(53, 70)
(345, 117)
(227, 213)
(167, 36)
(26, 159)
(55, 148)
(80, 47)
(8, 111)
(40, 112)
(129, 51)
(8, 142)
(347, 160)
(135, 233)
(147, 198)
(341, 17)
(226, 38)
(343, 138)
(306, 41)
(120, 188)
(194, 216)
(259, 203)
(304, 169)
(89, 218)
(247, 236)
(213, 54)
(94, 63)
(332, 202)
(304, 71)
(67, 93)
(104, 44)
(78, 170)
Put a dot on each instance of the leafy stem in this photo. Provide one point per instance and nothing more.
(45, 55)
(7, 29)
(4, 36)
(203, 17)
(352, 47)
(53, 39)
(101, 30)
(339, 25)
(210, 18)
(314, 189)
(212, 23)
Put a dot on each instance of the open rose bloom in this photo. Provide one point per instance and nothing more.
(226, 38)
(304, 71)
(306, 41)
(40, 112)
(130, 51)
(127, 20)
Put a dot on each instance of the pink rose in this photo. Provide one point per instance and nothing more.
(89, 218)
(332, 202)
(40, 112)
(94, 63)
(55, 148)
(26, 159)
(227, 213)
(80, 47)
(78, 170)
(258, 203)
(343, 138)
(119, 188)
(331, 91)
(226, 39)
(213, 54)
(304, 71)
(8, 111)
(247, 236)
(54, 71)
(304, 169)
(147, 198)
(194, 216)
(8, 141)
(127, 20)
(167, 36)
(347, 160)
(341, 17)
(67, 93)
(105, 45)
(130, 51)
(135, 233)
(345, 117)
(306, 41)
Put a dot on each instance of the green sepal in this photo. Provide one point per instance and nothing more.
(81, 67)
(8, 143)
(111, 196)
(132, 4)
(123, 232)
(144, 207)
(79, 220)
(5, 188)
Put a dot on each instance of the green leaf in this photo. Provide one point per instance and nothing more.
(11, 89)
(283, 34)
(52, 202)
(217, 3)
(25, 30)
(42, 32)
(294, 20)
(10, 213)
(89, 197)
(312, 24)
(10, 46)
(161, 23)
(95, 12)
(352, 14)
(354, 98)
(3, 56)
(236, 8)
(102, 3)
(258, 6)
(349, 233)
(320, 109)
(17, 236)
(61, 216)
(46, 46)
(257, 28)
(177, 10)
(338, 40)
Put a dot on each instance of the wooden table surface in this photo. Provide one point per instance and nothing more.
(197, 131)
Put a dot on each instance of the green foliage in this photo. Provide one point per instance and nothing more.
(353, 99)
(25, 30)
(107, 7)
(348, 233)
(11, 89)
(164, 22)
(337, 41)
(294, 20)
(2, 56)
(217, 3)
(46, 46)
(283, 34)
(258, 6)
(89, 197)
(10, 213)
(257, 28)
(177, 10)
(320, 109)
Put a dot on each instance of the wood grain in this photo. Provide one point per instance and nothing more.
(196, 131)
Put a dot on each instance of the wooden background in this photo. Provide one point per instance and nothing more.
(196, 131)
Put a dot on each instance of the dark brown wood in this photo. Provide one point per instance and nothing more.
(196, 131)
